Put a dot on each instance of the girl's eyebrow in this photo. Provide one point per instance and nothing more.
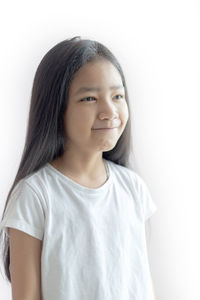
(97, 89)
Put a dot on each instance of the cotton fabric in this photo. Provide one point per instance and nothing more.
(94, 245)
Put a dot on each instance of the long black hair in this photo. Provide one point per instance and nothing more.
(45, 136)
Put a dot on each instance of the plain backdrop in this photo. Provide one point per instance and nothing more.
(158, 44)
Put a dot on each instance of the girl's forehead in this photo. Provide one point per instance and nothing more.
(91, 67)
(96, 72)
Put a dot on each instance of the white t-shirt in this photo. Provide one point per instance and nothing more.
(94, 243)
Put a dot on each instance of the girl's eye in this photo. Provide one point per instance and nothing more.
(93, 97)
(120, 95)
(86, 98)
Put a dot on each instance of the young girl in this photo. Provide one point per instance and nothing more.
(74, 225)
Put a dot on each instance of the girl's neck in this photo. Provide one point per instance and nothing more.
(98, 176)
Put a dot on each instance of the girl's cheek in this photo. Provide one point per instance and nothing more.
(125, 110)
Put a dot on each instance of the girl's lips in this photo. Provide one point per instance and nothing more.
(105, 128)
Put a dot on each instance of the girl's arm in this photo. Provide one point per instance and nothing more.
(25, 265)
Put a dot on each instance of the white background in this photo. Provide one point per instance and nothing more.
(158, 45)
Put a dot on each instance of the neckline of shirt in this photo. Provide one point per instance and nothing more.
(80, 187)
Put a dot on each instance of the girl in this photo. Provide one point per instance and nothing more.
(74, 225)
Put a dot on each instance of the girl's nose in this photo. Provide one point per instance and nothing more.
(108, 110)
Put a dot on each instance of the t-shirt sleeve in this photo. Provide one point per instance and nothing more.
(147, 203)
(24, 211)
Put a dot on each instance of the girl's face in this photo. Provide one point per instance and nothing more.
(101, 107)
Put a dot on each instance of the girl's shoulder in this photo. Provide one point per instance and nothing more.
(124, 172)
(130, 177)
(32, 183)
